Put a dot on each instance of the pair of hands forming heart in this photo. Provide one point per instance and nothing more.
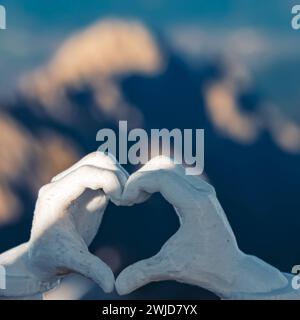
(69, 211)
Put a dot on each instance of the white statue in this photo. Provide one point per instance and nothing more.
(203, 252)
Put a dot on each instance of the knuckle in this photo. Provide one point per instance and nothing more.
(162, 175)
(161, 159)
(91, 155)
(97, 156)
(162, 172)
(109, 176)
(105, 156)
(100, 155)
(212, 190)
(84, 170)
(209, 189)
(44, 189)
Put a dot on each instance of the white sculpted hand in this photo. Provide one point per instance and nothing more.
(204, 250)
(67, 216)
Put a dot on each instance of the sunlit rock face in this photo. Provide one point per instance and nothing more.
(28, 160)
(246, 127)
(96, 57)
(15, 144)
(226, 117)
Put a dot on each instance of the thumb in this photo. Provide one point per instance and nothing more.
(141, 273)
(90, 266)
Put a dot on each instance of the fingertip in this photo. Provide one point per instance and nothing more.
(92, 268)
(134, 189)
(104, 277)
(112, 186)
(122, 285)
(129, 194)
(132, 278)
(55, 178)
(108, 282)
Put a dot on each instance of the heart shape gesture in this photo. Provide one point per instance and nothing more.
(68, 213)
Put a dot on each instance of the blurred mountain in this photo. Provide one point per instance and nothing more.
(119, 70)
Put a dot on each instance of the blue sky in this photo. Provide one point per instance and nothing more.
(268, 13)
